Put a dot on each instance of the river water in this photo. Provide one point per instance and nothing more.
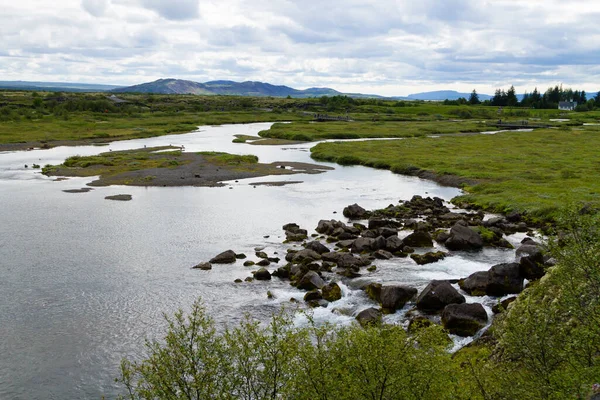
(85, 280)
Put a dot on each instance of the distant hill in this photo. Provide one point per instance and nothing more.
(56, 86)
(441, 95)
(248, 88)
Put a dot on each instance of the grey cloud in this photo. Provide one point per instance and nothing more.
(174, 9)
(96, 8)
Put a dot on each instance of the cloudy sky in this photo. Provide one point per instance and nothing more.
(388, 47)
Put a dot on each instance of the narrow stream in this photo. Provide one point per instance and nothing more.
(85, 280)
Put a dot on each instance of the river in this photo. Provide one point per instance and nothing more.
(85, 280)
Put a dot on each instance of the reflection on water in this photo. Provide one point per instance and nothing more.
(85, 280)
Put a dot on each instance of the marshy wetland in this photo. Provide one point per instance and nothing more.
(85, 280)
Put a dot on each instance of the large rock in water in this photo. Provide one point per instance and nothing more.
(437, 295)
(463, 238)
(531, 263)
(310, 281)
(347, 260)
(500, 280)
(226, 257)
(395, 297)
(476, 284)
(464, 319)
(262, 275)
(429, 257)
(370, 316)
(355, 211)
(317, 247)
(332, 292)
(419, 238)
(504, 279)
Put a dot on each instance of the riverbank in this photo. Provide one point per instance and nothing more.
(169, 166)
(534, 173)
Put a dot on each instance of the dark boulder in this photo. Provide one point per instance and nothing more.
(387, 232)
(262, 275)
(383, 255)
(261, 254)
(393, 298)
(464, 319)
(204, 266)
(310, 281)
(476, 284)
(282, 272)
(295, 236)
(313, 295)
(332, 256)
(504, 279)
(394, 244)
(362, 244)
(429, 257)
(306, 256)
(263, 263)
(379, 243)
(355, 211)
(332, 292)
(419, 238)
(437, 295)
(226, 257)
(441, 237)
(317, 247)
(463, 238)
(349, 261)
(532, 267)
(375, 223)
(370, 316)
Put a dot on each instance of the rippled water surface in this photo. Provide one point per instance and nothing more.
(85, 280)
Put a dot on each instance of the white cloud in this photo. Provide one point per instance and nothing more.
(390, 47)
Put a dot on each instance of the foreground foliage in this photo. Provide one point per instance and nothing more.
(545, 346)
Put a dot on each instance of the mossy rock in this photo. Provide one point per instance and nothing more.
(332, 292)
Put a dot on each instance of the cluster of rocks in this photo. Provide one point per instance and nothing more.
(314, 267)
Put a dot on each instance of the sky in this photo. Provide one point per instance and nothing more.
(385, 47)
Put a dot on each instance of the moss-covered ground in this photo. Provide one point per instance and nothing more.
(535, 172)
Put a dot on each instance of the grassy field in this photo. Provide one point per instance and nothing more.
(310, 131)
(116, 162)
(44, 117)
(535, 172)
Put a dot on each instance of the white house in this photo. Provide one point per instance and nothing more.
(567, 105)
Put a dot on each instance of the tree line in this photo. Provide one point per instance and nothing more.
(536, 99)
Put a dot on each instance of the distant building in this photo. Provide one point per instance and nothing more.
(567, 105)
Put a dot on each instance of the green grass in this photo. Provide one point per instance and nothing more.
(28, 117)
(309, 131)
(116, 162)
(534, 172)
(218, 158)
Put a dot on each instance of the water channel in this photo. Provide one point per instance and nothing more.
(85, 280)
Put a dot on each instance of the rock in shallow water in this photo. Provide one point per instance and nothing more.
(226, 257)
(464, 319)
(119, 197)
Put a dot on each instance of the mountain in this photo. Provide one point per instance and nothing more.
(167, 86)
(441, 95)
(56, 86)
(248, 88)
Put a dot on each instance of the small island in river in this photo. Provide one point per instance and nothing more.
(169, 166)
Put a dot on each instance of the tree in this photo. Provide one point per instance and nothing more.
(511, 97)
(474, 98)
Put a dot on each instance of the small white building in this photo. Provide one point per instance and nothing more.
(567, 105)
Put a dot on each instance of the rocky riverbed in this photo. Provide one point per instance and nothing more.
(338, 252)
